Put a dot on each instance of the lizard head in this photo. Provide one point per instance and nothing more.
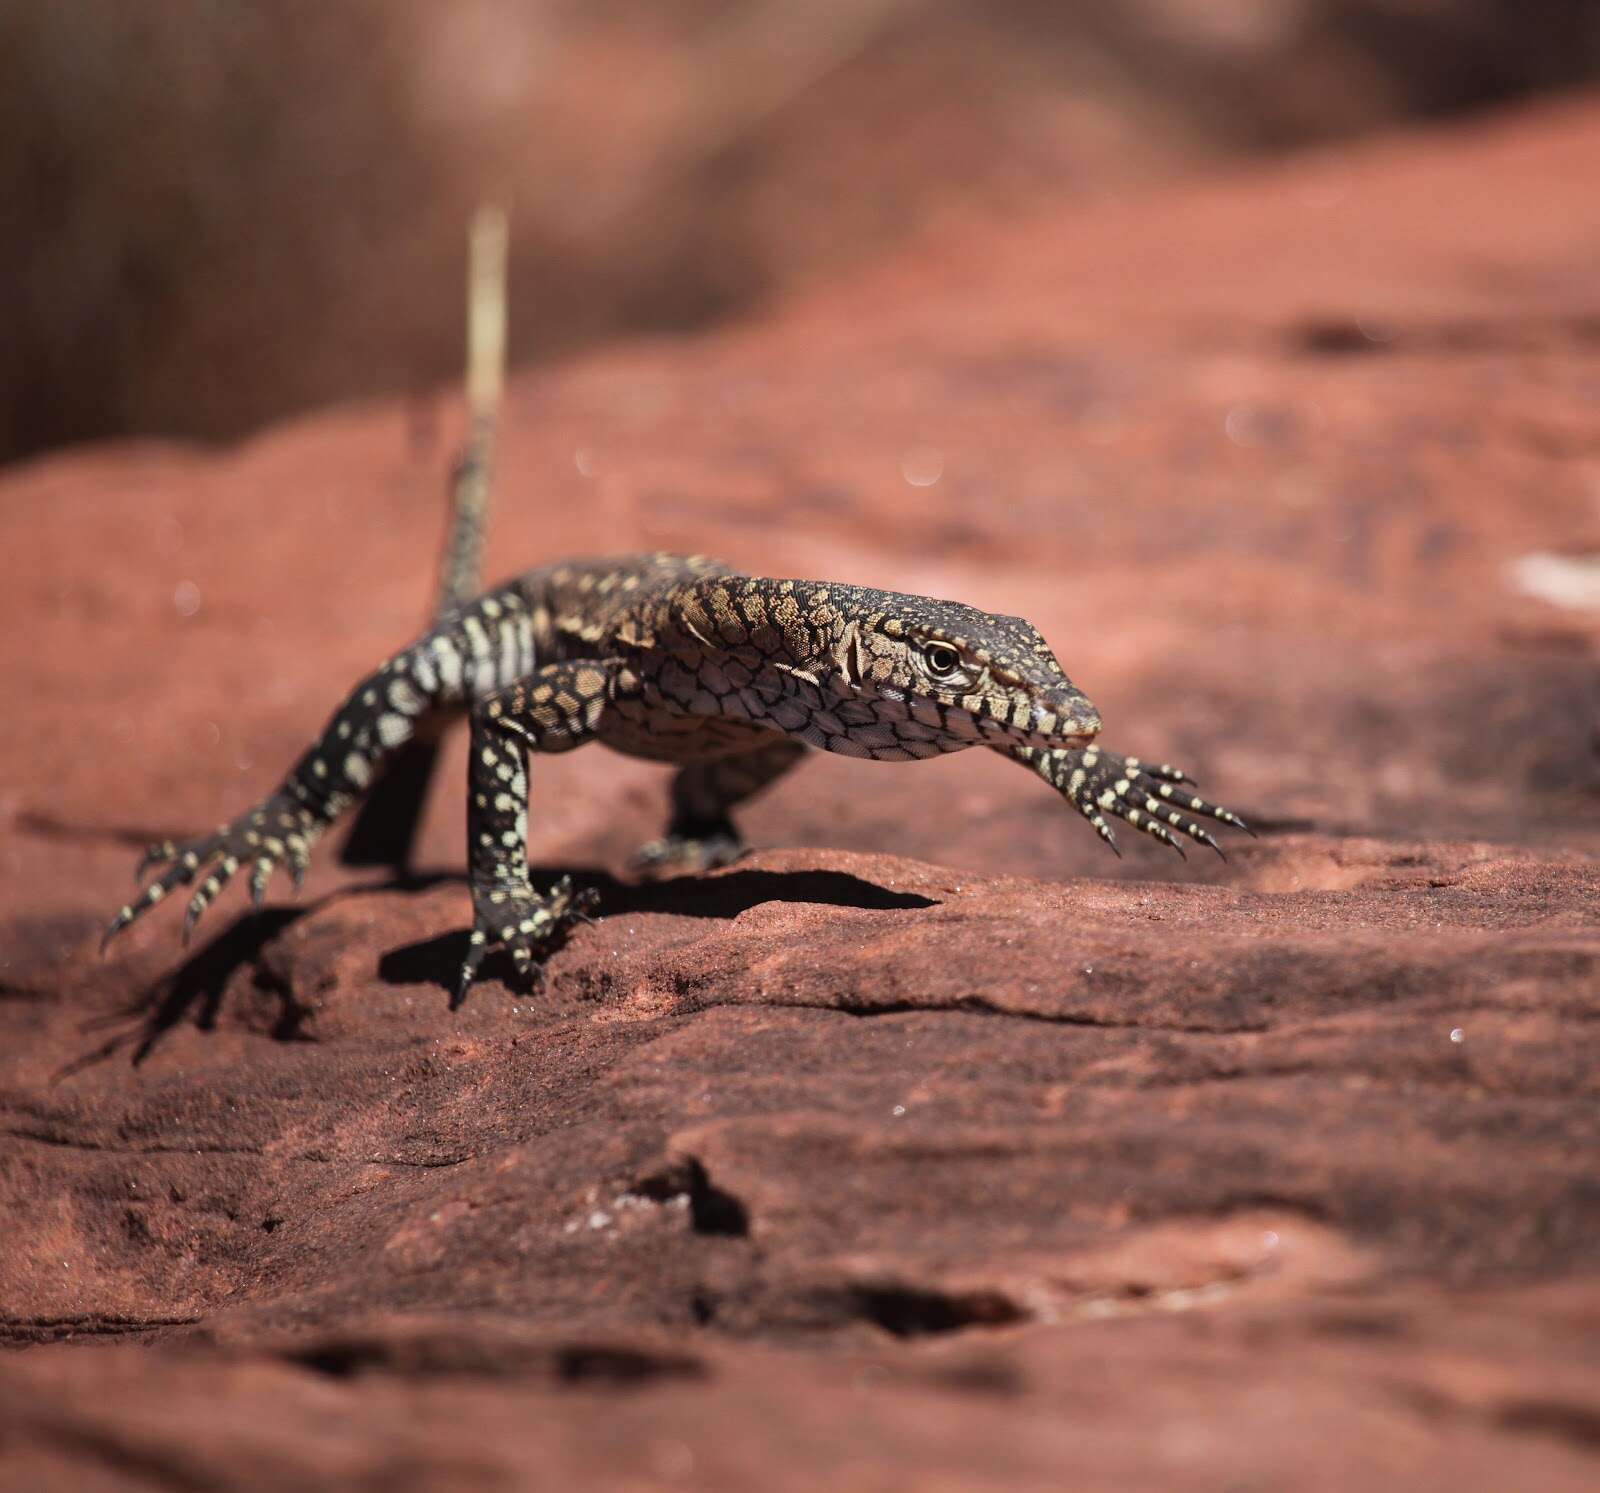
(868, 673)
(964, 676)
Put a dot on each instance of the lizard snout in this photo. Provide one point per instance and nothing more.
(1065, 713)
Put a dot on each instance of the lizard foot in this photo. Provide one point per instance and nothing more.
(672, 853)
(1152, 798)
(524, 924)
(277, 832)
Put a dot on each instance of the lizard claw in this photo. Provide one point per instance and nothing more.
(158, 854)
(1150, 798)
(260, 875)
(115, 926)
(1163, 770)
(277, 831)
(524, 924)
(477, 947)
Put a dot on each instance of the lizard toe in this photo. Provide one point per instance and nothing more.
(158, 854)
(277, 832)
(1154, 799)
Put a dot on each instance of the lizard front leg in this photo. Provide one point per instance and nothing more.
(701, 833)
(554, 710)
(1152, 798)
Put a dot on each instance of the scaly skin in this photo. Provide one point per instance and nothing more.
(678, 659)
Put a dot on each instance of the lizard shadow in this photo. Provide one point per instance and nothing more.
(734, 892)
(435, 961)
(194, 991)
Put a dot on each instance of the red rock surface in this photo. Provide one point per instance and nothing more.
(930, 1146)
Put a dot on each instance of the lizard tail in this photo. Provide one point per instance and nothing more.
(385, 829)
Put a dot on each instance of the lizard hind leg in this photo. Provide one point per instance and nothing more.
(489, 644)
(701, 834)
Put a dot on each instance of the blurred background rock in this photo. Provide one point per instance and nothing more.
(217, 212)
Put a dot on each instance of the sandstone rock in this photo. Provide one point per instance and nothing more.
(930, 1145)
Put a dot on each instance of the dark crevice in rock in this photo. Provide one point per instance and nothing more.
(1577, 1425)
(711, 1209)
(977, 1005)
(920, 1311)
(703, 1308)
(344, 1360)
(1264, 1200)
(1337, 334)
(438, 1354)
(10, 992)
(29, 1330)
(612, 1364)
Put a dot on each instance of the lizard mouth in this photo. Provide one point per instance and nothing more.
(1063, 719)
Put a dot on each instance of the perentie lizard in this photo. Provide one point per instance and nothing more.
(679, 660)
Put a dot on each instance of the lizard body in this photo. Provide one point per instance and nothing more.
(678, 659)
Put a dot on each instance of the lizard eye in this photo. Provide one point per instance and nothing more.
(942, 660)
